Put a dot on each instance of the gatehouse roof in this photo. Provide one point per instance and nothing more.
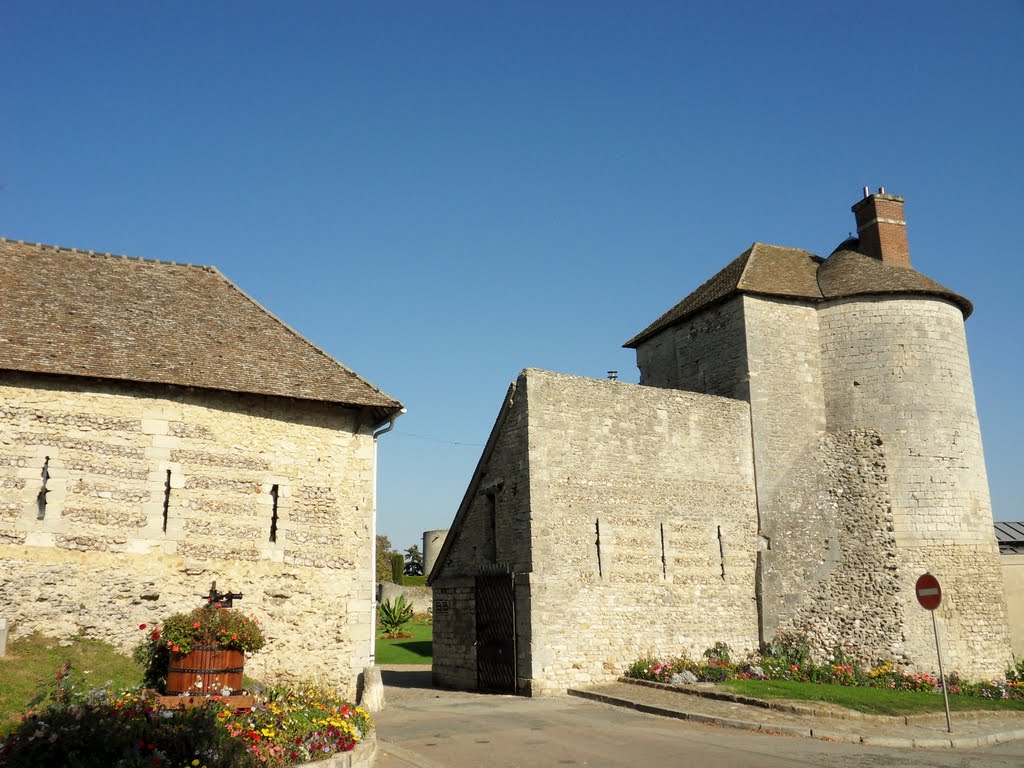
(773, 270)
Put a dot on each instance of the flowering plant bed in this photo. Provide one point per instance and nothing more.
(283, 726)
(788, 659)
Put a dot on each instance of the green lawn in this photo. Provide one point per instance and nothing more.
(31, 661)
(417, 649)
(878, 701)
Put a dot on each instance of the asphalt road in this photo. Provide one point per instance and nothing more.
(429, 728)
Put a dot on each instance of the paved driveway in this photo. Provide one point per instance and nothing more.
(430, 728)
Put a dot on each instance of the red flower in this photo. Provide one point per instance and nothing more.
(175, 649)
(142, 626)
(155, 636)
(196, 625)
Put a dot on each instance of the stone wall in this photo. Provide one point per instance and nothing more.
(644, 520)
(418, 597)
(856, 590)
(153, 492)
(492, 530)
(900, 367)
(787, 421)
(454, 642)
(705, 353)
(1013, 581)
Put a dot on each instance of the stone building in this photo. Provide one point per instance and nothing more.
(803, 444)
(1010, 536)
(160, 430)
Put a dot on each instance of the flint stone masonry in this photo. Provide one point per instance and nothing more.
(105, 558)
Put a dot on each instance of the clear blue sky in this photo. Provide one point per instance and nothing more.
(441, 194)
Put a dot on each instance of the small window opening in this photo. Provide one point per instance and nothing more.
(664, 563)
(273, 514)
(597, 541)
(721, 552)
(492, 513)
(41, 498)
(167, 498)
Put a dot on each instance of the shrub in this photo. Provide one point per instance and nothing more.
(718, 652)
(1015, 673)
(397, 567)
(393, 616)
(788, 648)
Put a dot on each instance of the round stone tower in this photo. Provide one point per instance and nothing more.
(432, 543)
(894, 362)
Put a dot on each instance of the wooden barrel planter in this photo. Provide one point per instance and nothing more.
(205, 672)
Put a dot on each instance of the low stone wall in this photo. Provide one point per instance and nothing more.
(363, 756)
(419, 597)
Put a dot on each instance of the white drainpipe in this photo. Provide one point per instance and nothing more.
(373, 541)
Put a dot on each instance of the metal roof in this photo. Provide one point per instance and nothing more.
(1010, 537)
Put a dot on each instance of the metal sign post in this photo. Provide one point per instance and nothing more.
(929, 595)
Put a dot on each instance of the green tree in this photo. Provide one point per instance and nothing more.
(383, 558)
(397, 567)
(413, 561)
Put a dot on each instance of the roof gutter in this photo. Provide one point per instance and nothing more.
(391, 423)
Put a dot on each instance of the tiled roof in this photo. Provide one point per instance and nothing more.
(761, 269)
(80, 313)
(1010, 537)
(772, 270)
(849, 273)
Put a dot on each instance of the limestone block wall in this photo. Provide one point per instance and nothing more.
(900, 367)
(705, 353)
(418, 597)
(494, 532)
(787, 421)
(644, 520)
(150, 493)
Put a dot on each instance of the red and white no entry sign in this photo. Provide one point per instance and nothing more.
(929, 593)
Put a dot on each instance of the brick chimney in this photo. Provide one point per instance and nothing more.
(882, 228)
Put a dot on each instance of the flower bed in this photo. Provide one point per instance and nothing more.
(125, 729)
(789, 658)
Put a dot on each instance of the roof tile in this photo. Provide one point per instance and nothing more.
(82, 313)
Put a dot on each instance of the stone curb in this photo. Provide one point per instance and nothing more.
(362, 756)
(807, 732)
(798, 709)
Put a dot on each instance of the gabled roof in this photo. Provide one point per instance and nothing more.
(761, 269)
(772, 270)
(81, 313)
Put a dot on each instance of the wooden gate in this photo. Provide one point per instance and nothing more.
(496, 633)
